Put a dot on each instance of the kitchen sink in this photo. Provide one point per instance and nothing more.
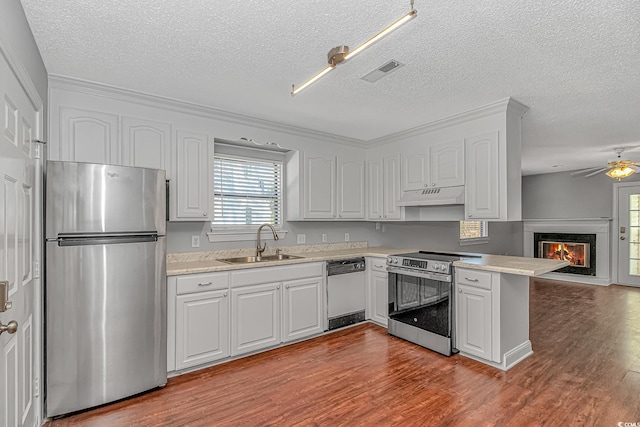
(254, 259)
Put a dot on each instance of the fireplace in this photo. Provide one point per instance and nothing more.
(578, 249)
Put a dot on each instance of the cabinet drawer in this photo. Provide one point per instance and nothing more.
(475, 278)
(255, 276)
(202, 282)
(378, 264)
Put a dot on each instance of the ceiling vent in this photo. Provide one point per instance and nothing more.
(382, 71)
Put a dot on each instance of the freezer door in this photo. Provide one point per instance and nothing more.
(87, 198)
(105, 322)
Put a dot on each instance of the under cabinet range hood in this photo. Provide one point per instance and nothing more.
(433, 197)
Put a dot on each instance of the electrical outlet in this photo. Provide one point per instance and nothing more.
(302, 238)
(195, 241)
(377, 226)
(346, 237)
(384, 228)
(324, 238)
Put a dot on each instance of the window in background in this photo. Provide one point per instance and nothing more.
(472, 232)
(247, 193)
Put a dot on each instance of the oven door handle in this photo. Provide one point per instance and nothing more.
(425, 275)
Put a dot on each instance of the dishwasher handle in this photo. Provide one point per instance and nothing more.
(353, 265)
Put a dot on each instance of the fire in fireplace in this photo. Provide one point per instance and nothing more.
(576, 253)
(578, 249)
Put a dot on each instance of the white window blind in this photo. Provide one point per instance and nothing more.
(246, 192)
(473, 230)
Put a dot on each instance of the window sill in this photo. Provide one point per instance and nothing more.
(239, 236)
(478, 241)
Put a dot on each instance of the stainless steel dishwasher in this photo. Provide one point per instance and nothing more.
(345, 292)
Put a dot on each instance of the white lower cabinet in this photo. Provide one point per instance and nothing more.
(474, 321)
(255, 312)
(202, 328)
(302, 314)
(275, 304)
(492, 316)
(377, 291)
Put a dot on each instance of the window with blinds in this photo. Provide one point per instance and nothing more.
(470, 230)
(247, 192)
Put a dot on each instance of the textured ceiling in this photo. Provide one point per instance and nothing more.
(574, 63)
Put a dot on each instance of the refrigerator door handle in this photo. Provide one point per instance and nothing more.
(84, 241)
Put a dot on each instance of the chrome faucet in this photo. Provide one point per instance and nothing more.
(260, 249)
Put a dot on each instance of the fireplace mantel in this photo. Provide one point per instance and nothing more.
(599, 226)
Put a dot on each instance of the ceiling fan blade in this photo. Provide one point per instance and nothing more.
(581, 171)
(596, 172)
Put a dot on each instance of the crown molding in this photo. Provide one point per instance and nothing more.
(108, 91)
(57, 81)
(501, 106)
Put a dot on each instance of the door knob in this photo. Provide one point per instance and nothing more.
(622, 238)
(10, 327)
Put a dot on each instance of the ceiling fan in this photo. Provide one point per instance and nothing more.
(617, 169)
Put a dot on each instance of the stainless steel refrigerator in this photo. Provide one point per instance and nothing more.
(105, 284)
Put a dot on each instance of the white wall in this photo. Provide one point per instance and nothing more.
(562, 196)
(505, 237)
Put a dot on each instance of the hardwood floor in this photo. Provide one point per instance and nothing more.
(585, 370)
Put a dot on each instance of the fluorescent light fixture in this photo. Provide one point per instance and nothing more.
(295, 90)
(341, 53)
(382, 33)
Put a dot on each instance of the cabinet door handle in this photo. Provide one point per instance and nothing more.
(287, 286)
(470, 280)
(278, 287)
(433, 185)
(205, 284)
(378, 266)
(224, 295)
(459, 290)
(204, 214)
(340, 216)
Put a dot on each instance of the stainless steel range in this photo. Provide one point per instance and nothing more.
(421, 299)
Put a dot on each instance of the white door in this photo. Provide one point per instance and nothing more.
(474, 321)
(302, 308)
(320, 186)
(628, 234)
(21, 123)
(255, 317)
(351, 188)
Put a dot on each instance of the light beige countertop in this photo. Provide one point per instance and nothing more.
(205, 262)
(511, 264)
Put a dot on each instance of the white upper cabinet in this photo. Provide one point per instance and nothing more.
(415, 169)
(192, 190)
(447, 164)
(87, 136)
(384, 188)
(439, 165)
(320, 186)
(146, 144)
(482, 186)
(323, 186)
(350, 190)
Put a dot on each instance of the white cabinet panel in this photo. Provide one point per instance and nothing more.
(350, 191)
(202, 328)
(415, 170)
(447, 164)
(320, 186)
(384, 188)
(146, 144)
(193, 188)
(376, 189)
(482, 187)
(391, 188)
(379, 287)
(255, 312)
(474, 321)
(302, 308)
(88, 136)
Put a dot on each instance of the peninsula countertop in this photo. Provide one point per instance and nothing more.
(205, 262)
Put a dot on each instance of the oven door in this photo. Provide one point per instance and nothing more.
(420, 299)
